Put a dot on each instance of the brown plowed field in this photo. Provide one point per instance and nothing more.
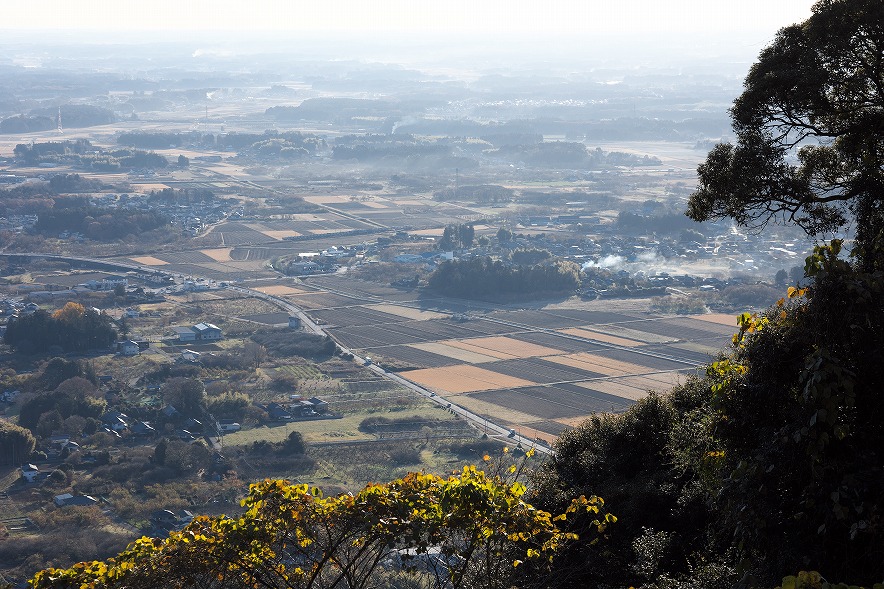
(600, 364)
(540, 370)
(462, 355)
(503, 347)
(463, 378)
(601, 337)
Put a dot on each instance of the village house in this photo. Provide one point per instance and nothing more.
(30, 472)
(129, 348)
(189, 356)
(201, 332)
(68, 500)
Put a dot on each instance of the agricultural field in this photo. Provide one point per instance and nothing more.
(538, 370)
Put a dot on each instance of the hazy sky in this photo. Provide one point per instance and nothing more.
(464, 16)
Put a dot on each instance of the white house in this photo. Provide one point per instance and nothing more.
(129, 348)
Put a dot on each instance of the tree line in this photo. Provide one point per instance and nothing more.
(71, 328)
(486, 279)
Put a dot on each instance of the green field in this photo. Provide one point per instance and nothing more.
(329, 430)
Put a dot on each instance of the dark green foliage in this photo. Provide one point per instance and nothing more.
(780, 278)
(65, 401)
(802, 436)
(476, 449)
(229, 405)
(482, 193)
(181, 457)
(154, 140)
(23, 124)
(795, 412)
(286, 344)
(58, 370)
(78, 115)
(818, 88)
(38, 332)
(67, 183)
(187, 395)
(33, 153)
(16, 443)
(81, 153)
(562, 154)
(487, 279)
(294, 444)
(457, 236)
(98, 223)
(769, 465)
(529, 257)
(633, 459)
(632, 223)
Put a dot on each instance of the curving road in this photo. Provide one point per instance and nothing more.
(481, 423)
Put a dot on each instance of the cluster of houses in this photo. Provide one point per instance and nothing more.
(116, 422)
(297, 408)
(189, 216)
(18, 223)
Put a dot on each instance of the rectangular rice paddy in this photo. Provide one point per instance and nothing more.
(279, 290)
(432, 330)
(504, 347)
(712, 348)
(415, 357)
(601, 337)
(219, 255)
(535, 319)
(591, 317)
(149, 261)
(280, 234)
(636, 332)
(557, 341)
(599, 364)
(673, 331)
(456, 353)
(711, 327)
(726, 319)
(652, 363)
(463, 378)
(553, 402)
(314, 300)
(634, 388)
(367, 336)
(352, 316)
(493, 411)
(685, 354)
(408, 312)
(554, 428)
(540, 370)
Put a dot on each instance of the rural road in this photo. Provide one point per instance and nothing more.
(505, 434)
